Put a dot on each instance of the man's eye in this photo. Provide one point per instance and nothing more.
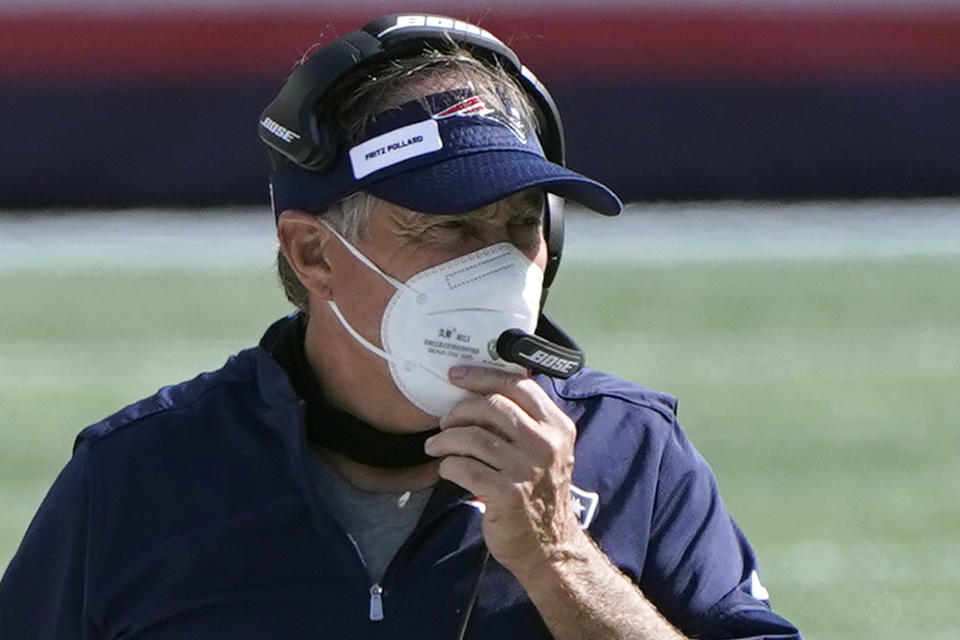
(527, 221)
(450, 224)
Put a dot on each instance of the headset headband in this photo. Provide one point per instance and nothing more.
(290, 124)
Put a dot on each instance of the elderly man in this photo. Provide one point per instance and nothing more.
(413, 453)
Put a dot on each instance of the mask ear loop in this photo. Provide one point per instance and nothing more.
(421, 297)
(408, 364)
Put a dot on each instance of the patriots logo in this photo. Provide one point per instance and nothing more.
(475, 106)
(583, 503)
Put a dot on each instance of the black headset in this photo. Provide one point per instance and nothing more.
(290, 124)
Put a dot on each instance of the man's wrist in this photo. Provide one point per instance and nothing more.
(571, 555)
(580, 593)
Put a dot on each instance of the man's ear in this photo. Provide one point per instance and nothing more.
(302, 240)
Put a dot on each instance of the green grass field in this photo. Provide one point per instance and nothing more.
(825, 394)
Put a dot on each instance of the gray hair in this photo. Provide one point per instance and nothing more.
(356, 101)
(349, 217)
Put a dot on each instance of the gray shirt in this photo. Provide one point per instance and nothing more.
(377, 523)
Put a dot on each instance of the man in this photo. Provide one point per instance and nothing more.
(380, 466)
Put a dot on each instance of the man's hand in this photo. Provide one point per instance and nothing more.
(512, 447)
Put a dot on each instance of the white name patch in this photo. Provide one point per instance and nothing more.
(395, 146)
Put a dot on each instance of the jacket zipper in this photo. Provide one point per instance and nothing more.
(376, 602)
(376, 613)
(376, 591)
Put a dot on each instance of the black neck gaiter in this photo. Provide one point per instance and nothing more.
(330, 427)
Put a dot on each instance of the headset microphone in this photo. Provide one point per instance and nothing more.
(539, 354)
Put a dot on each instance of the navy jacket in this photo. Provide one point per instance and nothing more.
(194, 514)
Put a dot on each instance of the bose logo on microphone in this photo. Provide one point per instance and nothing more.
(550, 361)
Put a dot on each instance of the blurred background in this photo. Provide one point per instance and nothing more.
(789, 263)
(133, 102)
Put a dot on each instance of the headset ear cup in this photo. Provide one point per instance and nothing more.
(325, 148)
(553, 232)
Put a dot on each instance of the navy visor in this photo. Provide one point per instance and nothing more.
(447, 154)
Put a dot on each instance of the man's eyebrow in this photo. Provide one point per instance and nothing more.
(518, 205)
(407, 220)
(410, 222)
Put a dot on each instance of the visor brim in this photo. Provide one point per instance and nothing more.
(468, 182)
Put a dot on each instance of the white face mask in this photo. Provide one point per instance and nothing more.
(452, 314)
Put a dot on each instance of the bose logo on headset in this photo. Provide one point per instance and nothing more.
(279, 130)
(437, 22)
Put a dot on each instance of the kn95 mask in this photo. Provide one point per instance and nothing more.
(451, 314)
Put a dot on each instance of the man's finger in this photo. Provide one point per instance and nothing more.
(521, 389)
(482, 445)
(473, 475)
(496, 412)
(502, 416)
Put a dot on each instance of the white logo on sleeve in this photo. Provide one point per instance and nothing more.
(584, 505)
(757, 590)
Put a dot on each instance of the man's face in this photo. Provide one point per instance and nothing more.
(402, 243)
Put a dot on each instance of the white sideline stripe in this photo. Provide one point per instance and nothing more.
(145, 239)
(646, 234)
(736, 232)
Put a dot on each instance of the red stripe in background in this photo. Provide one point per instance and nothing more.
(630, 43)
